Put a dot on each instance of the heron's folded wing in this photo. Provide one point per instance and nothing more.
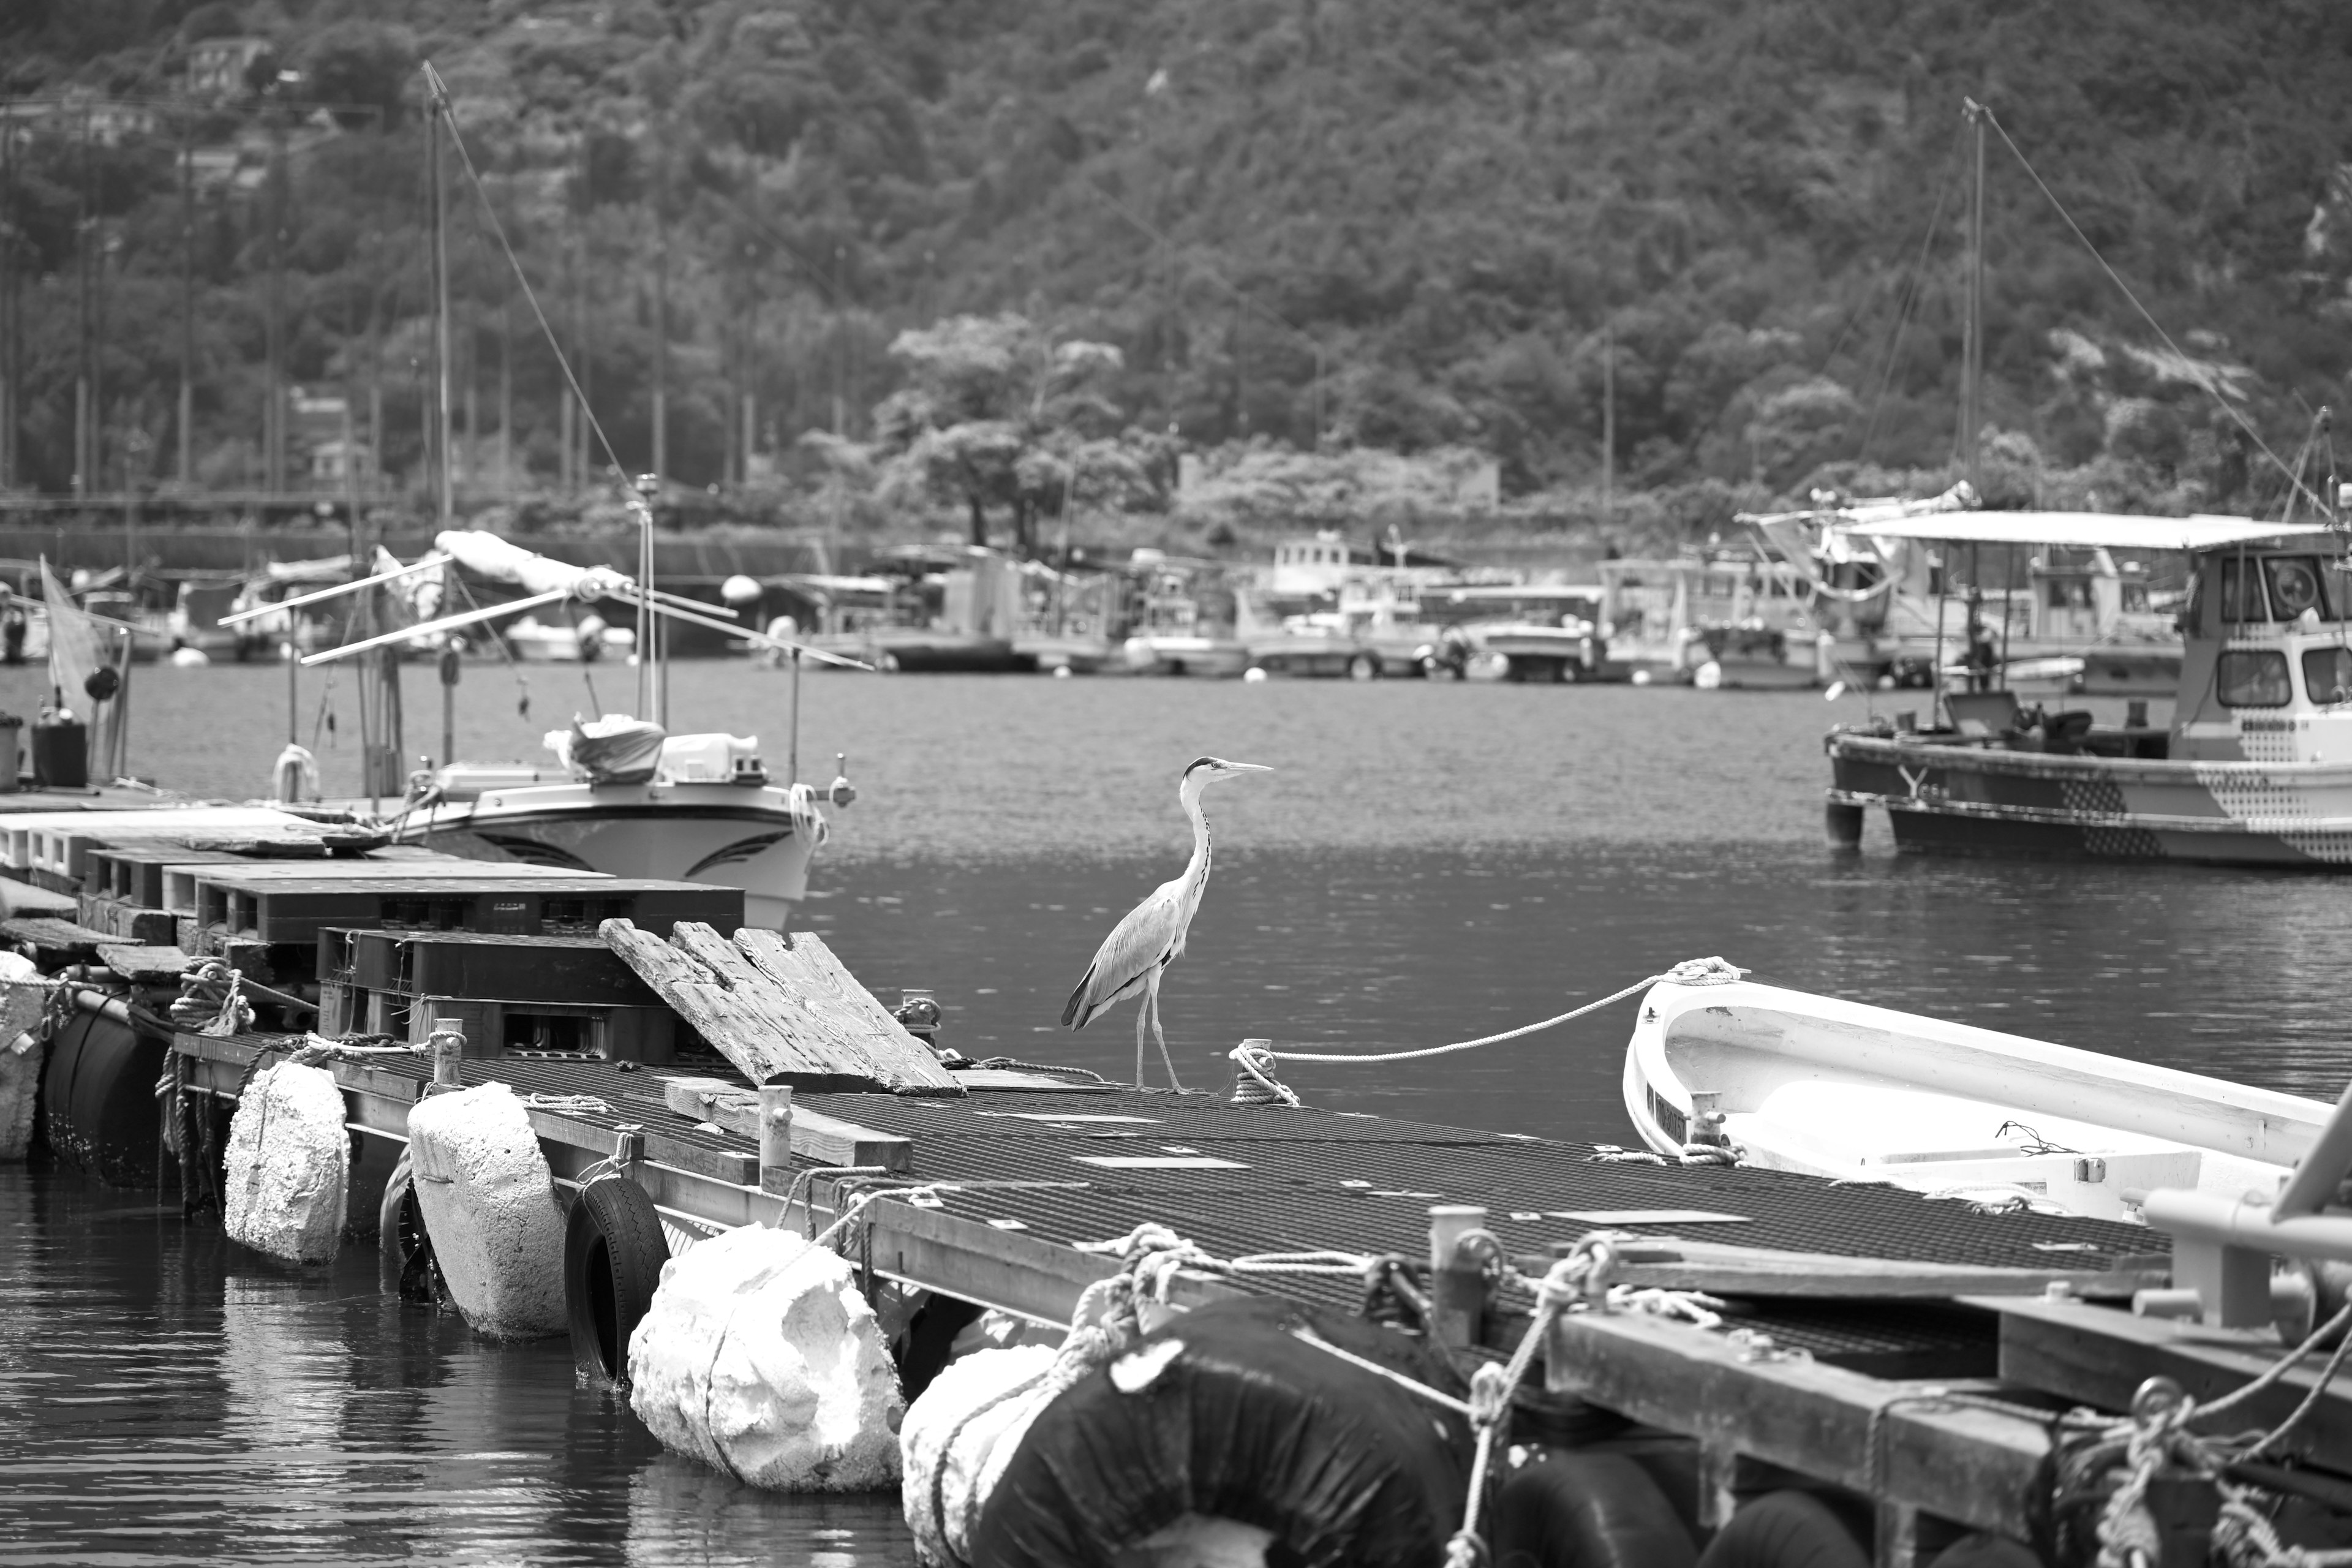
(1134, 948)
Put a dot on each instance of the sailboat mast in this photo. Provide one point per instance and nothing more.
(1973, 370)
(447, 498)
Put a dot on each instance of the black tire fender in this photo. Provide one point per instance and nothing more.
(1223, 1414)
(1588, 1510)
(614, 1250)
(1785, 1529)
(409, 1269)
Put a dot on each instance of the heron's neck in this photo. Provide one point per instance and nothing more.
(1197, 868)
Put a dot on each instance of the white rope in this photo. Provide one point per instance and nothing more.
(1690, 971)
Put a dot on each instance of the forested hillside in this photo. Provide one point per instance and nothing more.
(1401, 224)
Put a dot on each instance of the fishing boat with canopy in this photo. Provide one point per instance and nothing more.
(2253, 768)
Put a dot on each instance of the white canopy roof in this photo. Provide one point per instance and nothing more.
(2088, 530)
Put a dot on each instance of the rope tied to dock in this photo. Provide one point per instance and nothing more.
(2156, 1435)
(1257, 1059)
(212, 1000)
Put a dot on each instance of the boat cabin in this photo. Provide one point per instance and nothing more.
(2266, 668)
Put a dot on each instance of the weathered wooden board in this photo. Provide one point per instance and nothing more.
(782, 1010)
(827, 1140)
(51, 943)
(145, 966)
(2100, 1357)
(1895, 1441)
(1671, 1263)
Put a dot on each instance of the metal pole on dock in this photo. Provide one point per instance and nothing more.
(793, 756)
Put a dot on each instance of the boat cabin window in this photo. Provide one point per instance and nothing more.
(2070, 594)
(2294, 583)
(2253, 678)
(2328, 674)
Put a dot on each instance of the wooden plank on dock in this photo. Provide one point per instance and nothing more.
(145, 966)
(1671, 1263)
(806, 967)
(2100, 1356)
(1979, 1468)
(826, 1140)
(782, 1010)
(51, 943)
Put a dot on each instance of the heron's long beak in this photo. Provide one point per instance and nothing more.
(1249, 767)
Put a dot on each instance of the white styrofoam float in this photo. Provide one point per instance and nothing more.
(20, 1092)
(759, 1357)
(490, 1210)
(22, 999)
(957, 1438)
(288, 1159)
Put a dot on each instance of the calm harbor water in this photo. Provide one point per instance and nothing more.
(1429, 862)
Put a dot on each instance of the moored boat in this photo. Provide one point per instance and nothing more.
(1798, 1082)
(2254, 768)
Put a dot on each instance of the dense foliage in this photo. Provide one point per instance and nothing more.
(1393, 224)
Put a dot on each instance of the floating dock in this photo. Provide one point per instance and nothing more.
(1757, 1330)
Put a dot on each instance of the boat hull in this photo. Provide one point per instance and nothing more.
(759, 839)
(1843, 1089)
(1949, 799)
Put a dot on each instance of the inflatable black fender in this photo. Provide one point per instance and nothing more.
(1587, 1510)
(614, 1250)
(98, 1107)
(1785, 1529)
(1224, 1414)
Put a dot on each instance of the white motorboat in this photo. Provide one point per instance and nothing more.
(708, 813)
(624, 798)
(1798, 1083)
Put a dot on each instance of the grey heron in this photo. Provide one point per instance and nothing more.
(1130, 959)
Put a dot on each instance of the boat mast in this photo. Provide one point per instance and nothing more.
(446, 503)
(1972, 366)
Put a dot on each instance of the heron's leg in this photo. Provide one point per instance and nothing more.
(1151, 997)
(1142, 1015)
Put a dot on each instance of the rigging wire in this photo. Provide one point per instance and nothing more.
(2294, 478)
(443, 106)
(1912, 293)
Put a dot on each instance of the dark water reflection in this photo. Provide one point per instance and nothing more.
(1430, 862)
(170, 1398)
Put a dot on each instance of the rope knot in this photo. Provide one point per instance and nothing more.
(1490, 1395)
(1703, 971)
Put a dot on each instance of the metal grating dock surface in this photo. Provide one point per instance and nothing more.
(1243, 1180)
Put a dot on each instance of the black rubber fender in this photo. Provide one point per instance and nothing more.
(405, 1248)
(1987, 1552)
(98, 1107)
(614, 1250)
(1785, 1529)
(1239, 1420)
(1587, 1510)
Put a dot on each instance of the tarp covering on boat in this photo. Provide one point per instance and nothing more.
(616, 749)
(2086, 530)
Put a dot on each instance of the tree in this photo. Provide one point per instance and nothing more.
(996, 413)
